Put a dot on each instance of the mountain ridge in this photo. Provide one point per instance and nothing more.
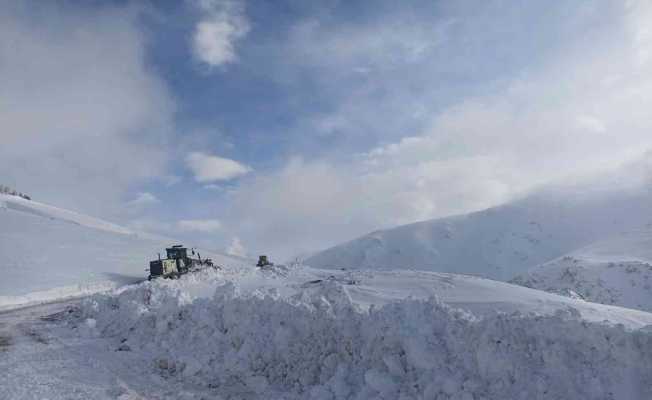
(500, 242)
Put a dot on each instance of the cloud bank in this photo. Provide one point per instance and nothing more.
(83, 119)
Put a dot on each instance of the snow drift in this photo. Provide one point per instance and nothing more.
(318, 343)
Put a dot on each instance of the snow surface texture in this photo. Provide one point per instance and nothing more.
(277, 336)
(615, 271)
(49, 253)
(500, 242)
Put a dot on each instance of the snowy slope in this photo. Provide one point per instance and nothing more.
(500, 242)
(16, 203)
(615, 271)
(322, 334)
(47, 253)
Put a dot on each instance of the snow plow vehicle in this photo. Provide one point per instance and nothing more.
(264, 262)
(177, 263)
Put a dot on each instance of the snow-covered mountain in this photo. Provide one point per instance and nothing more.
(500, 242)
(48, 252)
(617, 271)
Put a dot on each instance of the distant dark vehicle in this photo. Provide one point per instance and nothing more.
(264, 262)
(177, 263)
(7, 190)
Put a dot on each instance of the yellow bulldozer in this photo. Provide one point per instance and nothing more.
(177, 263)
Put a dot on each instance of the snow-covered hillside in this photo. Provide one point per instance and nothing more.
(49, 253)
(615, 271)
(321, 334)
(500, 242)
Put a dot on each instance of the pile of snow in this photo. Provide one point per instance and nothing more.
(500, 242)
(614, 271)
(49, 253)
(274, 335)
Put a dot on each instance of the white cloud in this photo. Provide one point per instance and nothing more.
(639, 15)
(236, 248)
(171, 180)
(385, 44)
(144, 199)
(209, 168)
(212, 186)
(200, 225)
(82, 115)
(591, 123)
(223, 23)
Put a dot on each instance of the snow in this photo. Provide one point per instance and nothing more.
(301, 332)
(49, 253)
(617, 270)
(500, 242)
(297, 332)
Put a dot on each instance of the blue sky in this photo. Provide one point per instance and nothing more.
(288, 126)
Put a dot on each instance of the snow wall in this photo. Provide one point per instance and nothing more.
(318, 345)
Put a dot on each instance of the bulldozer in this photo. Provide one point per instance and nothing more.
(177, 263)
(263, 262)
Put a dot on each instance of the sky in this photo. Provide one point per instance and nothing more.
(285, 127)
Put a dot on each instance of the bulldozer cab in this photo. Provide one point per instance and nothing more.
(263, 262)
(177, 252)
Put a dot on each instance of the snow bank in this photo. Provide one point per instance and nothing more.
(318, 344)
